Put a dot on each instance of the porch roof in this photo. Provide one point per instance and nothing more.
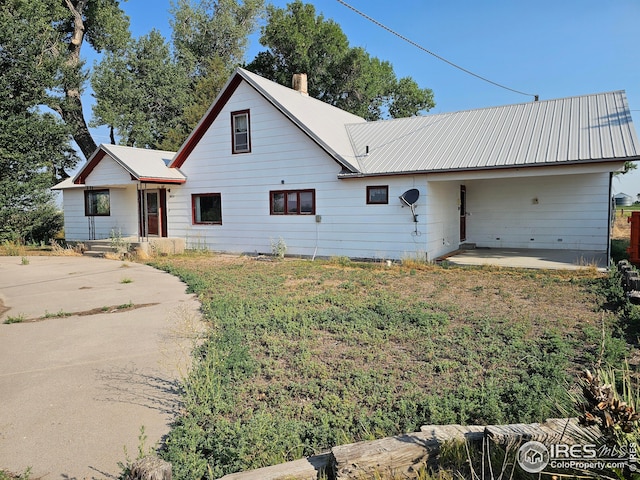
(144, 165)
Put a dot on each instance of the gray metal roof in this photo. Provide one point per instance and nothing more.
(568, 130)
(144, 163)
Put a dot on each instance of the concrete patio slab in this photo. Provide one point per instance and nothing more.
(76, 390)
(526, 258)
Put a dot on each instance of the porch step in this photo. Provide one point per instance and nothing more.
(98, 248)
(467, 246)
(92, 253)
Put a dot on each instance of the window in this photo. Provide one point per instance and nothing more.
(293, 202)
(207, 209)
(378, 194)
(96, 203)
(240, 134)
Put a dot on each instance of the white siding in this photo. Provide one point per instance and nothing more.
(108, 172)
(571, 211)
(559, 212)
(282, 153)
(443, 218)
(123, 218)
(76, 226)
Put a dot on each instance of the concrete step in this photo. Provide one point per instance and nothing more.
(92, 253)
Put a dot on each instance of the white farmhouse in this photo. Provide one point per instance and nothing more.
(268, 162)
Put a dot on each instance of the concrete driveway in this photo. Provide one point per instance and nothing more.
(95, 359)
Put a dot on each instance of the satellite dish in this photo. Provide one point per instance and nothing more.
(410, 197)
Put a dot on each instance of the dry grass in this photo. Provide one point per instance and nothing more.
(314, 354)
(621, 227)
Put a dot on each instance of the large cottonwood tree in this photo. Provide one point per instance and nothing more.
(299, 41)
(99, 23)
(35, 147)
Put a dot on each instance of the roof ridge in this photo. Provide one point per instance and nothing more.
(493, 107)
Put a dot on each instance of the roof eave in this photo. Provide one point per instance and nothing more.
(332, 153)
(175, 181)
(346, 176)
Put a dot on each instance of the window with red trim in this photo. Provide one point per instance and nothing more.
(207, 209)
(293, 202)
(240, 132)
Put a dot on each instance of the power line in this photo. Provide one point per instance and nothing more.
(434, 54)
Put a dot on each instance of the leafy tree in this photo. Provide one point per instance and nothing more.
(298, 41)
(140, 93)
(66, 25)
(204, 92)
(34, 146)
(213, 29)
(210, 40)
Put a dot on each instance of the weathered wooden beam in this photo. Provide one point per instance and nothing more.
(304, 469)
(387, 456)
(401, 455)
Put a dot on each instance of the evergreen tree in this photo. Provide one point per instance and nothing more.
(141, 93)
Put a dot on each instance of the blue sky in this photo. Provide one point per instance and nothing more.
(552, 48)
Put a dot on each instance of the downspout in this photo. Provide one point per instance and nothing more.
(610, 220)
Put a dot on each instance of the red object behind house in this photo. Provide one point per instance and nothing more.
(634, 247)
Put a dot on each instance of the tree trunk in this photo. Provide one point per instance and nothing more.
(72, 115)
(71, 108)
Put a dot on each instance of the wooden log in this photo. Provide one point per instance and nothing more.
(554, 430)
(150, 468)
(444, 433)
(304, 469)
(391, 456)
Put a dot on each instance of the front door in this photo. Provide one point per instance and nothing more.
(152, 212)
(463, 213)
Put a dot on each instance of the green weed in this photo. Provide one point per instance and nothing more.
(59, 314)
(18, 319)
(302, 356)
(126, 280)
(26, 475)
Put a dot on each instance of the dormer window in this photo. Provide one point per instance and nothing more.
(240, 132)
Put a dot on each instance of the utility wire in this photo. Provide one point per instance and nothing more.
(434, 54)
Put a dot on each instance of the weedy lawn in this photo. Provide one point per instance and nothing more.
(302, 355)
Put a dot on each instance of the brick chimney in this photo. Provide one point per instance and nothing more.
(299, 83)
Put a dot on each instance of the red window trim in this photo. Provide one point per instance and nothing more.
(193, 208)
(370, 187)
(297, 212)
(234, 150)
